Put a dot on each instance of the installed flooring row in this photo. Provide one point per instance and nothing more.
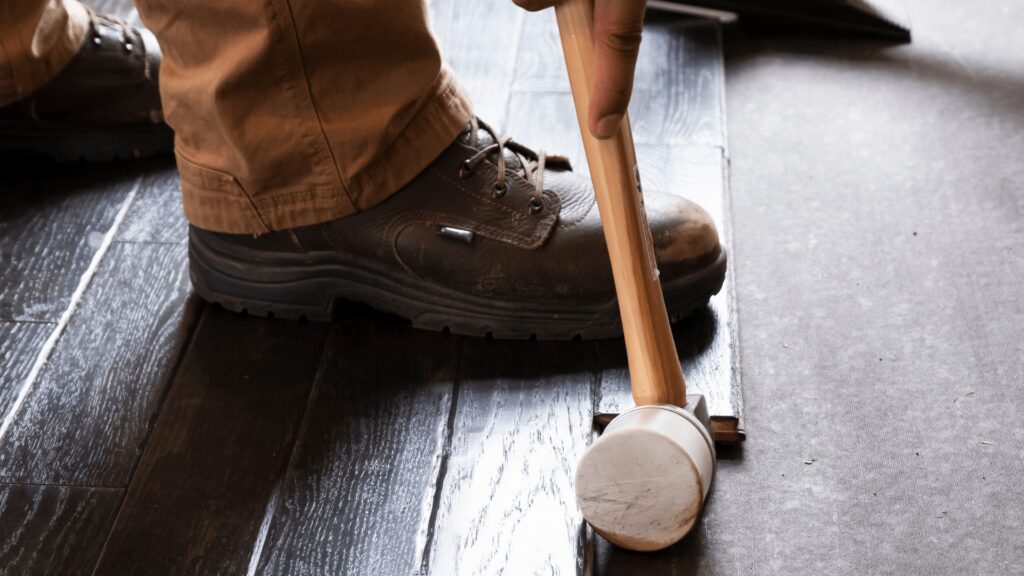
(145, 432)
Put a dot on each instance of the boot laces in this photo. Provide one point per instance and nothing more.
(531, 162)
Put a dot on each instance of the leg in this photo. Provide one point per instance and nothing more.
(77, 85)
(291, 113)
(296, 119)
(37, 39)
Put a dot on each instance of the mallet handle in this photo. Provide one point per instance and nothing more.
(654, 368)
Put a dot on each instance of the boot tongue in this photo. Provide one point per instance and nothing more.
(512, 163)
(483, 140)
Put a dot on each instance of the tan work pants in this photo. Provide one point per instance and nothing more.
(286, 112)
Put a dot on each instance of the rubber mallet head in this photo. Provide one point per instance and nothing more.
(643, 483)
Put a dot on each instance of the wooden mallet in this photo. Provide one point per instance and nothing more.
(642, 484)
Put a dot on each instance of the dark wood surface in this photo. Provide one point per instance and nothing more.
(210, 474)
(53, 530)
(878, 211)
(163, 436)
(156, 215)
(50, 228)
(522, 421)
(20, 342)
(359, 496)
(89, 412)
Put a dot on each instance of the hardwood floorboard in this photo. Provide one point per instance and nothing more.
(120, 8)
(208, 478)
(156, 215)
(359, 496)
(20, 343)
(523, 419)
(89, 411)
(50, 228)
(480, 41)
(53, 530)
(679, 85)
(706, 341)
(678, 88)
(547, 120)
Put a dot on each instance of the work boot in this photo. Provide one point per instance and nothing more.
(104, 105)
(492, 238)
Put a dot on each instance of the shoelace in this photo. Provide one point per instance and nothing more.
(96, 19)
(533, 163)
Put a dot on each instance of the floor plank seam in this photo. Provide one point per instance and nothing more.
(270, 511)
(191, 331)
(65, 318)
(442, 469)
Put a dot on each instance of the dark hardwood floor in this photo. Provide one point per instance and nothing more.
(879, 203)
(145, 432)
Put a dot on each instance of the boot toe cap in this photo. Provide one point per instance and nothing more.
(684, 233)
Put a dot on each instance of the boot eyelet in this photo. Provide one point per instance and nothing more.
(97, 40)
(536, 206)
(465, 171)
(500, 190)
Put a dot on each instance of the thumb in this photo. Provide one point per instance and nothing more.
(617, 29)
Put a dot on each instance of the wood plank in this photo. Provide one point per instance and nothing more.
(679, 85)
(539, 65)
(89, 412)
(678, 88)
(156, 215)
(50, 228)
(209, 474)
(547, 120)
(56, 530)
(523, 419)
(120, 8)
(706, 341)
(359, 496)
(480, 41)
(678, 98)
(20, 343)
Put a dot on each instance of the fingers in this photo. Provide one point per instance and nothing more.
(535, 5)
(617, 29)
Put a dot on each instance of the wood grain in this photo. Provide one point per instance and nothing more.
(56, 530)
(539, 66)
(91, 407)
(480, 41)
(19, 345)
(547, 120)
(359, 496)
(209, 474)
(50, 227)
(523, 419)
(156, 215)
(679, 85)
(120, 8)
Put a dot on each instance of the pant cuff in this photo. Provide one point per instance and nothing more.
(216, 201)
(21, 71)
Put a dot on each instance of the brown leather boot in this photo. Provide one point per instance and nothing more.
(491, 238)
(104, 105)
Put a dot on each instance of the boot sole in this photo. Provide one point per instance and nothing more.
(298, 286)
(63, 145)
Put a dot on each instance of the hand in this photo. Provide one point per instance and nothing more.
(617, 29)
